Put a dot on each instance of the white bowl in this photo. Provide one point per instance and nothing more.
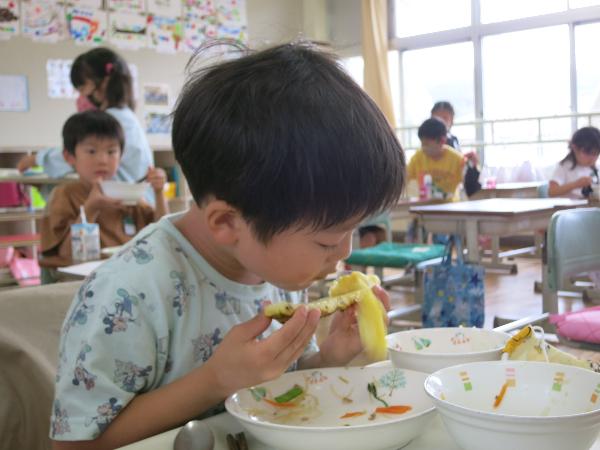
(317, 422)
(545, 406)
(129, 193)
(431, 349)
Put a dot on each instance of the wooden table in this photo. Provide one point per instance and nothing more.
(34, 179)
(510, 190)
(492, 217)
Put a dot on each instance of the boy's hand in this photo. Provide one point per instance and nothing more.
(343, 342)
(97, 201)
(243, 361)
(157, 178)
(26, 162)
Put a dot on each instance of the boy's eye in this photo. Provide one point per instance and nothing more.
(327, 247)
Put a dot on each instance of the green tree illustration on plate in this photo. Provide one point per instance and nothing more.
(393, 379)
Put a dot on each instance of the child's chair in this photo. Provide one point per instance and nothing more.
(572, 248)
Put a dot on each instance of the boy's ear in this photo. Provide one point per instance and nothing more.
(443, 140)
(223, 222)
(69, 158)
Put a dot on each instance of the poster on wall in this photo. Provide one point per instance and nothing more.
(14, 93)
(94, 4)
(130, 6)
(164, 33)
(169, 8)
(231, 19)
(86, 25)
(9, 19)
(158, 122)
(43, 20)
(127, 30)
(156, 94)
(58, 75)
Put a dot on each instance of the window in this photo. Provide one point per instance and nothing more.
(588, 70)
(434, 74)
(415, 17)
(573, 4)
(501, 10)
(526, 73)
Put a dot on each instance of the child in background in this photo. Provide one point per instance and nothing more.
(93, 145)
(575, 174)
(281, 172)
(444, 111)
(102, 77)
(442, 162)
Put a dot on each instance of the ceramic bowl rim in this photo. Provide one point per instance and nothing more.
(451, 355)
(446, 404)
(329, 429)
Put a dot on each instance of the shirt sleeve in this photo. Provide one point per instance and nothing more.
(411, 169)
(53, 162)
(559, 175)
(107, 355)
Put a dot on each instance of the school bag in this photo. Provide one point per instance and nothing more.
(453, 291)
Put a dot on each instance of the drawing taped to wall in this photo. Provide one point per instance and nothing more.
(86, 25)
(9, 19)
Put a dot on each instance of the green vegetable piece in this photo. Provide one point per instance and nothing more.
(373, 391)
(289, 395)
(258, 393)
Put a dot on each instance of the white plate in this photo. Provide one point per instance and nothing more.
(329, 394)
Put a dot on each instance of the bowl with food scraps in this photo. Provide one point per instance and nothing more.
(518, 405)
(349, 408)
(431, 349)
(128, 193)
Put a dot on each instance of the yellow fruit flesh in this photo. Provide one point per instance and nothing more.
(370, 312)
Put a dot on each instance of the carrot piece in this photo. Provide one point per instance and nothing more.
(353, 414)
(500, 396)
(279, 405)
(394, 409)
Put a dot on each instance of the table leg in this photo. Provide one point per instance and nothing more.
(472, 232)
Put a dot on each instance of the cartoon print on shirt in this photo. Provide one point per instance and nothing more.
(140, 250)
(205, 345)
(123, 312)
(130, 377)
(81, 374)
(106, 414)
(183, 292)
(60, 420)
(226, 303)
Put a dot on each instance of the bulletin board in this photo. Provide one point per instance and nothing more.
(163, 25)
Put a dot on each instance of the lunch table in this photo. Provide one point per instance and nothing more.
(510, 190)
(493, 217)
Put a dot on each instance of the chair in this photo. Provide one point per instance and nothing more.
(30, 323)
(400, 256)
(572, 248)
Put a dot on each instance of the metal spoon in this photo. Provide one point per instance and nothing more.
(194, 435)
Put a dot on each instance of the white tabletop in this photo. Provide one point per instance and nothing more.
(80, 270)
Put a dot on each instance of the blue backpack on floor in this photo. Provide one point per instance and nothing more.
(454, 291)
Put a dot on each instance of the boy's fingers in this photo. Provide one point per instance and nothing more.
(289, 331)
(254, 327)
(295, 348)
(383, 297)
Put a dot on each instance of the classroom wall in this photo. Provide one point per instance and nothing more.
(269, 22)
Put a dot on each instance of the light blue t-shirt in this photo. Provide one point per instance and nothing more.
(144, 318)
(137, 154)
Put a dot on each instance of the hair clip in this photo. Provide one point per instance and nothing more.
(108, 68)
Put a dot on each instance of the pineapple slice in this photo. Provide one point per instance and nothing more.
(370, 312)
(347, 290)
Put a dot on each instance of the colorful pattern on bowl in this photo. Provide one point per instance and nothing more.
(336, 409)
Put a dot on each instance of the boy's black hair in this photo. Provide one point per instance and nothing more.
(443, 106)
(285, 136)
(90, 123)
(96, 65)
(433, 128)
(586, 139)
